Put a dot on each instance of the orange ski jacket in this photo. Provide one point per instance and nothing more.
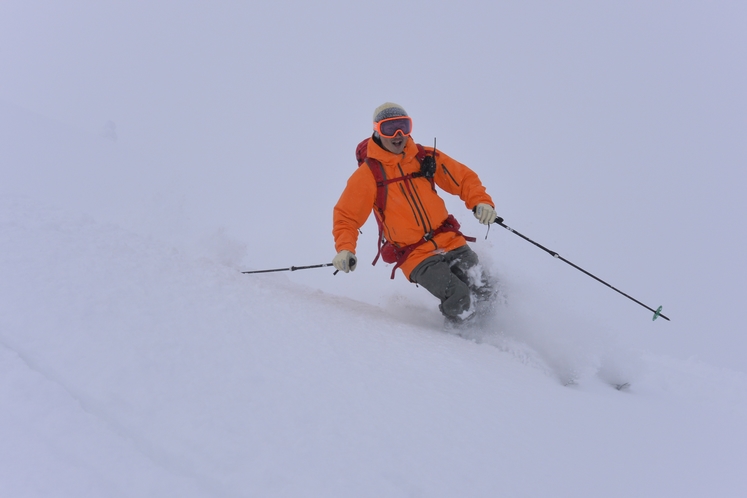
(412, 210)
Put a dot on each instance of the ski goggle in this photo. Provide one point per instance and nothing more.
(388, 128)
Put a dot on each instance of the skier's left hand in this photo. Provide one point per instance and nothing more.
(485, 213)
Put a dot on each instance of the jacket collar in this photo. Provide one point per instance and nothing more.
(382, 155)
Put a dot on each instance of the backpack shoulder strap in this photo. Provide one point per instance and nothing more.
(361, 155)
(361, 151)
(377, 170)
(421, 153)
(381, 189)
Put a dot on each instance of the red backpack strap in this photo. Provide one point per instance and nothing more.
(380, 203)
(421, 153)
(361, 152)
(377, 170)
(378, 173)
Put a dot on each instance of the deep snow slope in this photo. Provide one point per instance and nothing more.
(149, 153)
(130, 369)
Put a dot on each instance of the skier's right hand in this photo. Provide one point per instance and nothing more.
(485, 213)
(345, 261)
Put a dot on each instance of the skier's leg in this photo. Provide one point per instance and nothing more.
(436, 276)
(466, 266)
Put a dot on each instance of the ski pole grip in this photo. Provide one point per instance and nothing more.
(498, 219)
(352, 261)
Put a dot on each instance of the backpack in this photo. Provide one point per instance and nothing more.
(386, 250)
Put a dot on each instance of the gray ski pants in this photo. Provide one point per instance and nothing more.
(445, 276)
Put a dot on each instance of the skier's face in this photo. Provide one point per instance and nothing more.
(396, 144)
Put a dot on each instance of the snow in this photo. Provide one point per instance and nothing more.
(149, 154)
(130, 369)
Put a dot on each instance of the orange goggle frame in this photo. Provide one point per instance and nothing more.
(389, 127)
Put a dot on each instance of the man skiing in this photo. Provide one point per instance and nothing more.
(397, 181)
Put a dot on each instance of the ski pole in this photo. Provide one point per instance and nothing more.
(351, 262)
(292, 268)
(657, 312)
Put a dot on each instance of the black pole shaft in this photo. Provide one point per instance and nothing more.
(292, 268)
(499, 221)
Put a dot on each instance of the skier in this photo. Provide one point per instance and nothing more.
(416, 230)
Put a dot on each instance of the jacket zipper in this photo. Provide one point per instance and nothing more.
(417, 204)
